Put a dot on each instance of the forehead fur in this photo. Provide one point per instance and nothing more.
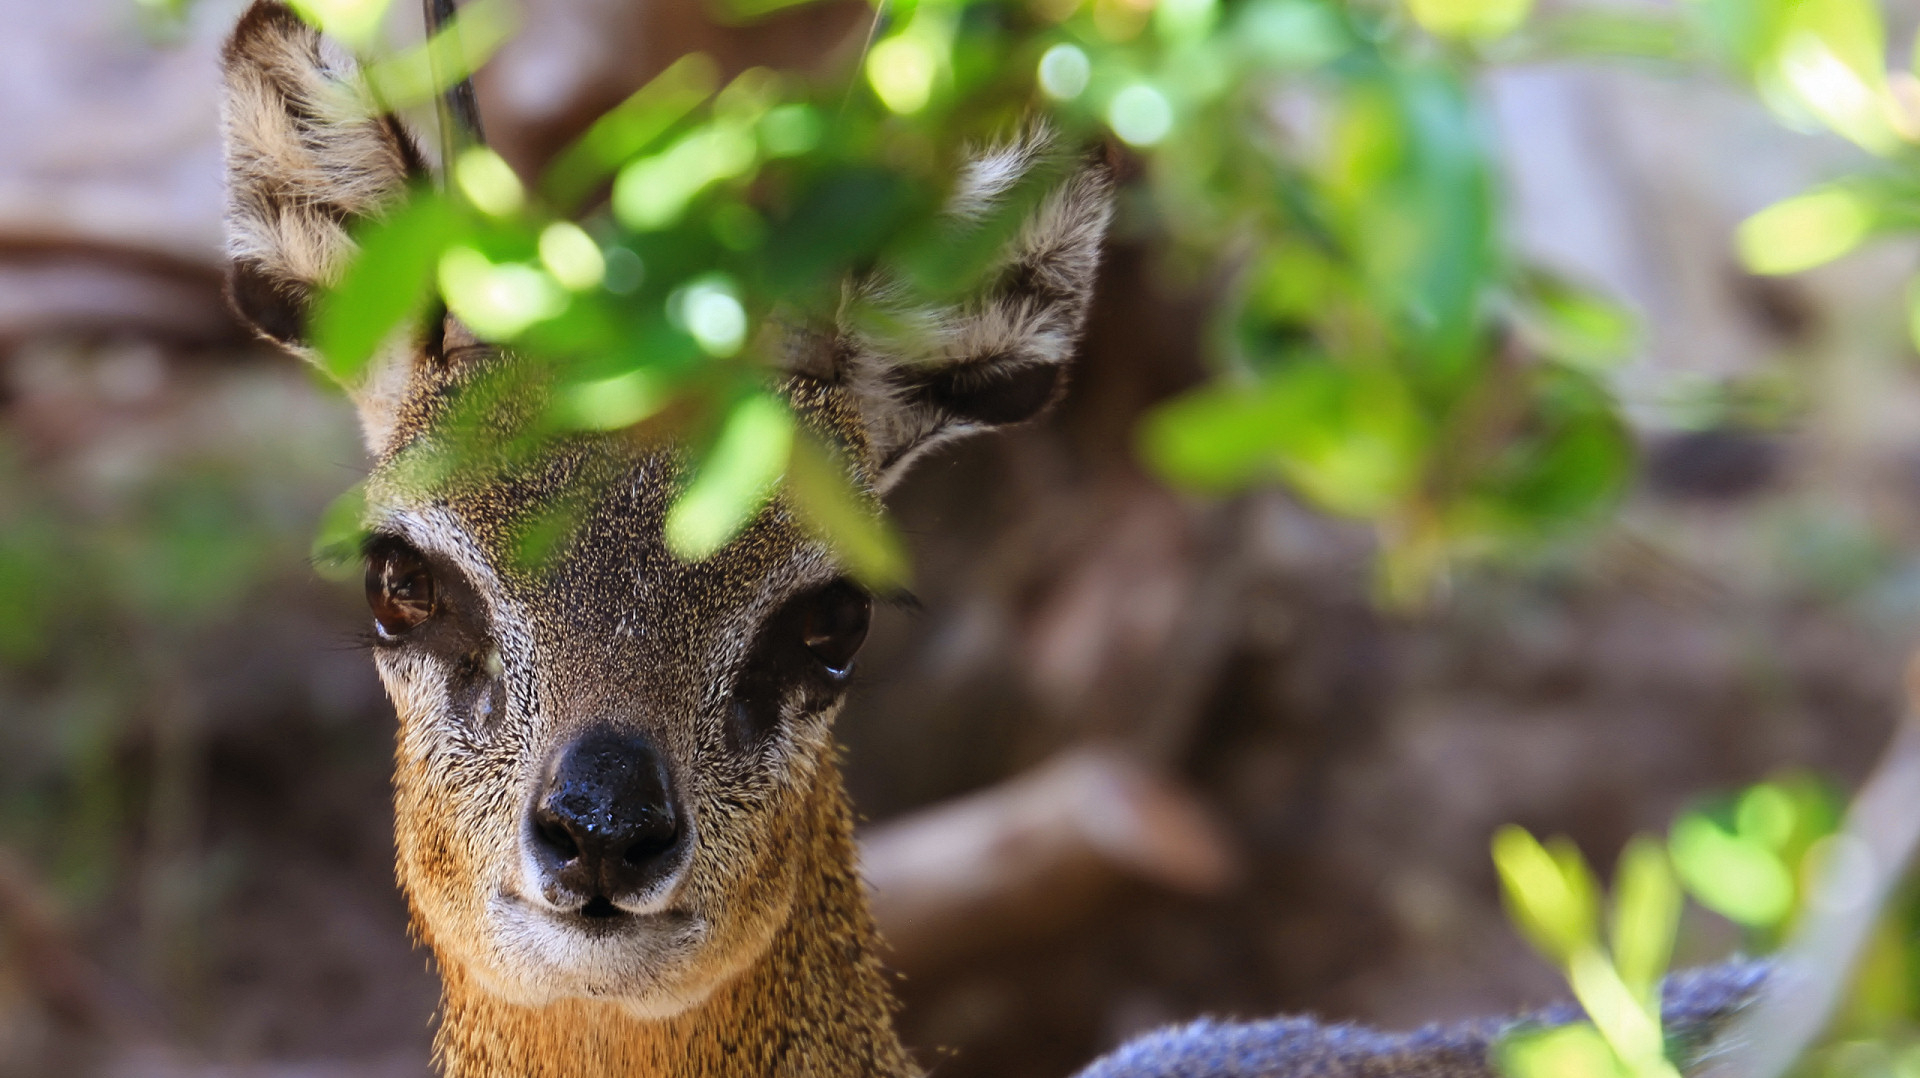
(572, 525)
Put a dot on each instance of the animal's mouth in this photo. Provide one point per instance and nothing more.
(600, 918)
(601, 908)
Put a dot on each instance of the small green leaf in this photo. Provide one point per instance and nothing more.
(428, 69)
(735, 479)
(1805, 231)
(385, 283)
(1730, 874)
(652, 192)
(1571, 1051)
(1766, 814)
(826, 503)
(355, 22)
(632, 127)
(1631, 1028)
(612, 403)
(1348, 439)
(498, 301)
(1646, 914)
(1557, 910)
(1478, 20)
(342, 535)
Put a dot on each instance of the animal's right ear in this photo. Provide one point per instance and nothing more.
(307, 155)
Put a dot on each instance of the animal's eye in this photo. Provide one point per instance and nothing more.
(833, 624)
(399, 587)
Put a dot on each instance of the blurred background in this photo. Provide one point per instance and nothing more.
(195, 852)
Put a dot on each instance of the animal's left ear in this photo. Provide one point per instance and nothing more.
(1000, 357)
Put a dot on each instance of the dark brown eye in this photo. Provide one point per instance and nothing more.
(833, 624)
(399, 587)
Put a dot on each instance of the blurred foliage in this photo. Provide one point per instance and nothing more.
(113, 581)
(1757, 858)
(1377, 346)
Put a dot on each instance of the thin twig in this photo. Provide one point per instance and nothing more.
(458, 108)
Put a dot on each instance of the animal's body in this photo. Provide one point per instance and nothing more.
(621, 828)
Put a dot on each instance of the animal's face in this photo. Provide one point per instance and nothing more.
(602, 755)
(609, 757)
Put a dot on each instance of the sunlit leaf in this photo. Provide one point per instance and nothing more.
(384, 285)
(1556, 908)
(1571, 1051)
(734, 480)
(1646, 914)
(477, 30)
(488, 182)
(632, 127)
(571, 256)
(1832, 55)
(498, 301)
(1730, 874)
(1630, 1026)
(1805, 231)
(652, 192)
(902, 70)
(1481, 20)
(826, 504)
(612, 403)
(355, 22)
(342, 535)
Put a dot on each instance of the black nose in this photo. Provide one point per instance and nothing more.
(606, 827)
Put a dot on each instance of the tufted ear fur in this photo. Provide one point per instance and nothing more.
(307, 155)
(1000, 357)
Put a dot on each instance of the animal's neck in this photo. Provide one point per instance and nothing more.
(815, 1004)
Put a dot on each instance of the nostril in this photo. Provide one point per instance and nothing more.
(651, 844)
(553, 835)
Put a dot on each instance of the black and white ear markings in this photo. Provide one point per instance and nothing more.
(1001, 357)
(307, 154)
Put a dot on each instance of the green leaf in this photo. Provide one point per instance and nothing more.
(1574, 325)
(1831, 56)
(384, 284)
(1571, 1051)
(1730, 874)
(1646, 914)
(631, 127)
(1766, 814)
(652, 192)
(735, 480)
(421, 73)
(826, 503)
(1349, 439)
(355, 22)
(1805, 231)
(1549, 893)
(612, 403)
(1476, 20)
(342, 535)
(841, 215)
